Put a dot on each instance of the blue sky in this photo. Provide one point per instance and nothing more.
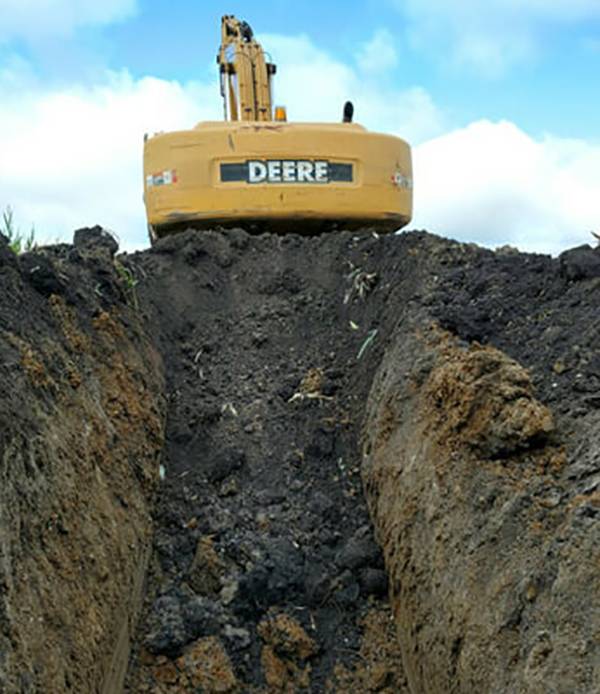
(499, 99)
(552, 90)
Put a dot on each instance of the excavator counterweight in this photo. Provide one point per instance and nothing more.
(255, 168)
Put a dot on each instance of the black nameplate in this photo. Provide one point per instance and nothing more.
(316, 171)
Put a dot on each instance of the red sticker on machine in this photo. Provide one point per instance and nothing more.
(164, 178)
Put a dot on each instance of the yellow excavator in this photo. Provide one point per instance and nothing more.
(256, 170)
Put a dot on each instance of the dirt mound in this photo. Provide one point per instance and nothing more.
(279, 353)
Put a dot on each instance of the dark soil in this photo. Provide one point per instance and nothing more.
(261, 337)
(270, 344)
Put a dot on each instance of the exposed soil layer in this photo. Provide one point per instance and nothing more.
(485, 500)
(462, 386)
(81, 431)
(490, 547)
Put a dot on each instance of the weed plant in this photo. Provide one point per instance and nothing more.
(18, 241)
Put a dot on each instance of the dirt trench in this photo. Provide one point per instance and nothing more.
(264, 550)
(247, 390)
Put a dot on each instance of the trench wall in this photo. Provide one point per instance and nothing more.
(81, 421)
(489, 542)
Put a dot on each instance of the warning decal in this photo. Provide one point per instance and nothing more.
(164, 178)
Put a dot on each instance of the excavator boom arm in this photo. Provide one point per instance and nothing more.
(245, 73)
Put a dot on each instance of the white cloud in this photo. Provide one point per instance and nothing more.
(32, 19)
(314, 87)
(378, 54)
(492, 184)
(489, 36)
(74, 158)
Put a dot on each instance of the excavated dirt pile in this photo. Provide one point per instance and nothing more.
(341, 463)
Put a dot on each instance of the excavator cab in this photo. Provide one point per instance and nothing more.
(257, 170)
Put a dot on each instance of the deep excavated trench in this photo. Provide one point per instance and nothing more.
(205, 416)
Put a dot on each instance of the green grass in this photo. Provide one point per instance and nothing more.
(18, 241)
(128, 278)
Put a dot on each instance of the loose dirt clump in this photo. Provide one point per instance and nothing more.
(380, 661)
(206, 569)
(284, 655)
(481, 399)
